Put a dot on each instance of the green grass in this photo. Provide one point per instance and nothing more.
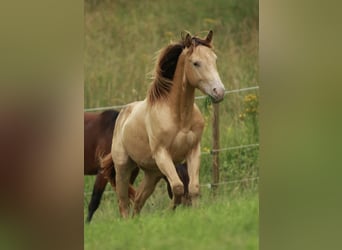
(220, 222)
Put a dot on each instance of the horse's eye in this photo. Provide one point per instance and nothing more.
(196, 64)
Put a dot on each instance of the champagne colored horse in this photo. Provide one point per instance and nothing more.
(98, 135)
(166, 127)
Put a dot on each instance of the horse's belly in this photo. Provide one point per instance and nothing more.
(141, 155)
(136, 144)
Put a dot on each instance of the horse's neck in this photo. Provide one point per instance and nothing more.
(182, 95)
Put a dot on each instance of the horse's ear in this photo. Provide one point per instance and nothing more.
(187, 40)
(209, 36)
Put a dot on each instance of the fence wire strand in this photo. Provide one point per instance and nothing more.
(208, 185)
(197, 97)
(229, 148)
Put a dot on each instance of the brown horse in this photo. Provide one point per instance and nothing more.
(166, 128)
(98, 134)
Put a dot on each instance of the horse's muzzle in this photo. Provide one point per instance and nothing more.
(217, 95)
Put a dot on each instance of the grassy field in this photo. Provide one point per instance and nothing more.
(122, 39)
(221, 222)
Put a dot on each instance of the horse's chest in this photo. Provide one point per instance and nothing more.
(183, 142)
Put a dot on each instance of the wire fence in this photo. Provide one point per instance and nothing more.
(197, 98)
(230, 148)
(210, 185)
(207, 185)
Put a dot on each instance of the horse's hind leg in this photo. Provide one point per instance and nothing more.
(145, 189)
(123, 168)
(134, 175)
(99, 187)
(131, 190)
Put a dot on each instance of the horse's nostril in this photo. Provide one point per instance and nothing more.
(214, 89)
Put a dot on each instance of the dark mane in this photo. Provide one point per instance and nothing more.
(165, 70)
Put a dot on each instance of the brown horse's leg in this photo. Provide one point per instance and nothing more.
(182, 171)
(145, 189)
(99, 187)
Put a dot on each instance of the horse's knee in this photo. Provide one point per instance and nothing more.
(178, 189)
(194, 190)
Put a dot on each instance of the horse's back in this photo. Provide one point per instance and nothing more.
(98, 134)
(107, 120)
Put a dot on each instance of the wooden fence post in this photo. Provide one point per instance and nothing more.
(216, 145)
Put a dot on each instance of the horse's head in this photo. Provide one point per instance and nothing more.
(200, 66)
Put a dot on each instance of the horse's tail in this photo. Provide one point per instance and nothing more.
(107, 169)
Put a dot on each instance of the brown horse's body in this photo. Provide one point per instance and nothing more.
(166, 128)
(98, 134)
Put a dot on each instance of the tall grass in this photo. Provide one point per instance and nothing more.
(122, 38)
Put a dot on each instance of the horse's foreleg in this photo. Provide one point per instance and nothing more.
(146, 188)
(193, 161)
(99, 187)
(167, 167)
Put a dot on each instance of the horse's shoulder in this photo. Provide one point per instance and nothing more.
(131, 117)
